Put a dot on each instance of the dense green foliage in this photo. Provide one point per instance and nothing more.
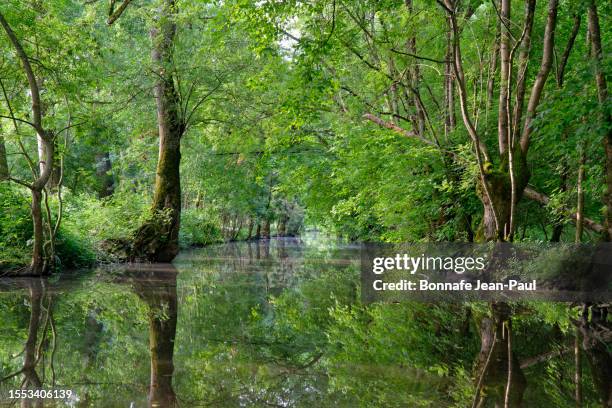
(371, 120)
(275, 94)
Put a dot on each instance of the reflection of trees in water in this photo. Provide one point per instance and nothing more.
(91, 338)
(157, 288)
(37, 345)
(272, 263)
(313, 340)
(596, 332)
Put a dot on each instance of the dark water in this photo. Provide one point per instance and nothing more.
(239, 324)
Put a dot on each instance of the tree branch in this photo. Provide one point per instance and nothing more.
(419, 57)
(36, 110)
(117, 13)
(568, 50)
(545, 65)
(396, 129)
(16, 119)
(541, 198)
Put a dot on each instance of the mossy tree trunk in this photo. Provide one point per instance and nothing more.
(157, 239)
(496, 360)
(497, 209)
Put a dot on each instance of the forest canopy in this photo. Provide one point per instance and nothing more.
(131, 130)
(393, 121)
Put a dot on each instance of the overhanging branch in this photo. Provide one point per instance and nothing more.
(115, 14)
(544, 199)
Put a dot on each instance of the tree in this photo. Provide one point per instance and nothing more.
(41, 262)
(157, 239)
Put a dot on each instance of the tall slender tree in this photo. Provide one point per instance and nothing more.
(42, 262)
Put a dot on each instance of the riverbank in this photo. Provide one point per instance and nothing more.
(97, 231)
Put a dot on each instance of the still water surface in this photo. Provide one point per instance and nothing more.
(237, 324)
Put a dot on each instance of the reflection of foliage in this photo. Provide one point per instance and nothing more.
(291, 331)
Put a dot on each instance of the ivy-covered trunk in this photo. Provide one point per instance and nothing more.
(157, 239)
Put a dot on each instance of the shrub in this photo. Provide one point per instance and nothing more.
(90, 222)
(197, 229)
(15, 226)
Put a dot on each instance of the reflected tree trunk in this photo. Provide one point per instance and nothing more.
(36, 344)
(596, 351)
(264, 247)
(494, 387)
(30, 360)
(158, 291)
(577, 370)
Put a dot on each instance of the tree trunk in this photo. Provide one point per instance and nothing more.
(282, 227)
(500, 190)
(602, 92)
(450, 119)
(106, 183)
(415, 79)
(4, 169)
(159, 293)
(265, 231)
(492, 70)
(580, 204)
(55, 177)
(505, 76)
(31, 378)
(251, 225)
(40, 262)
(492, 366)
(37, 267)
(157, 239)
